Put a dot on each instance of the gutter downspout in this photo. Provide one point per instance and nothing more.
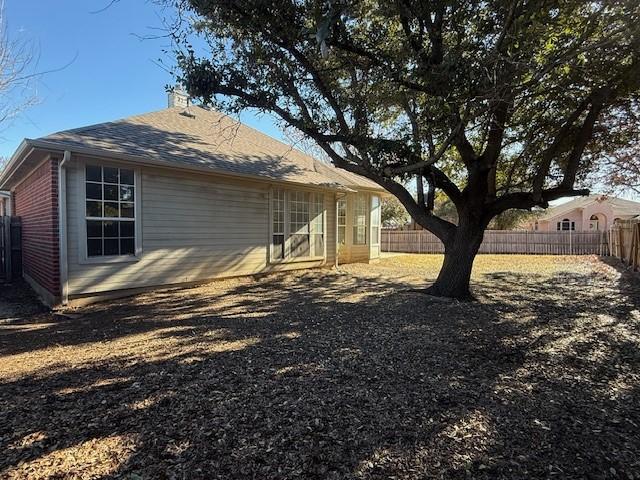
(62, 227)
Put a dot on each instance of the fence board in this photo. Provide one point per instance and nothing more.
(15, 247)
(503, 241)
(3, 252)
(5, 248)
(624, 242)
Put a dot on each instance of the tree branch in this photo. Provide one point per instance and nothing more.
(527, 200)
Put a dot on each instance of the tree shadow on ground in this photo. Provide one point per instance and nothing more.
(328, 375)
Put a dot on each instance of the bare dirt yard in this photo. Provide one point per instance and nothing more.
(332, 374)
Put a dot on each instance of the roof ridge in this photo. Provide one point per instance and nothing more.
(583, 202)
(201, 140)
(568, 206)
(95, 126)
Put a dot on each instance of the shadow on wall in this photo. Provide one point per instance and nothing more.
(328, 375)
(186, 149)
(181, 265)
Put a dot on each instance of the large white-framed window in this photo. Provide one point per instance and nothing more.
(342, 221)
(565, 225)
(316, 222)
(277, 222)
(375, 220)
(110, 228)
(360, 220)
(299, 238)
(297, 225)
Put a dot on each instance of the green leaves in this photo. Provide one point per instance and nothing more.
(491, 85)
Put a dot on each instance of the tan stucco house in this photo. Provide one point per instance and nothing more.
(178, 196)
(586, 214)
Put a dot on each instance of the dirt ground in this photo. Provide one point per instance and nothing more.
(332, 374)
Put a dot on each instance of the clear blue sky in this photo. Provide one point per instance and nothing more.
(113, 74)
(105, 70)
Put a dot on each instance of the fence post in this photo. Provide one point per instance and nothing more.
(570, 243)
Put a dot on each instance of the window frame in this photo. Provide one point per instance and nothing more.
(339, 218)
(273, 200)
(357, 214)
(287, 225)
(571, 225)
(376, 219)
(83, 257)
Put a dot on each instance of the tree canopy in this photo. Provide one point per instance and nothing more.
(393, 213)
(496, 104)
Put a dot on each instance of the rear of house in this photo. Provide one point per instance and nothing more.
(179, 196)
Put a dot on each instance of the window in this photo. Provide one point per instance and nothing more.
(342, 221)
(110, 211)
(360, 220)
(277, 244)
(317, 224)
(566, 225)
(297, 225)
(375, 220)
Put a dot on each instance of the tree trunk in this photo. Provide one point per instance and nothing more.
(460, 252)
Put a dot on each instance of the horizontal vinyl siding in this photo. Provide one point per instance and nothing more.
(359, 253)
(194, 227)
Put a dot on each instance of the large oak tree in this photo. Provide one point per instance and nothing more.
(493, 103)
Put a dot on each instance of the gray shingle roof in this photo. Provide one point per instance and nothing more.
(198, 137)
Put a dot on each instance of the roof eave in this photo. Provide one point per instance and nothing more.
(21, 153)
(157, 162)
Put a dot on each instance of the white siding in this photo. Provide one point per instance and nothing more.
(194, 227)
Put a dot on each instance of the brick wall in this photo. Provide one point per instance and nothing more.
(36, 202)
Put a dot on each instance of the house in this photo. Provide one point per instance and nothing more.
(586, 214)
(5, 203)
(179, 196)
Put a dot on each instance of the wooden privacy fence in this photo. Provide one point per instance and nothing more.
(503, 241)
(10, 248)
(624, 242)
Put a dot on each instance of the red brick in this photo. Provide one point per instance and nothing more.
(36, 203)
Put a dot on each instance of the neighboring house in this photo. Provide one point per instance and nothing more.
(5, 203)
(586, 214)
(179, 196)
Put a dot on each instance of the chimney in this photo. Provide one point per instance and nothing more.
(178, 97)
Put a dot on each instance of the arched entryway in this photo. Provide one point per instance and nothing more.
(597, 222)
